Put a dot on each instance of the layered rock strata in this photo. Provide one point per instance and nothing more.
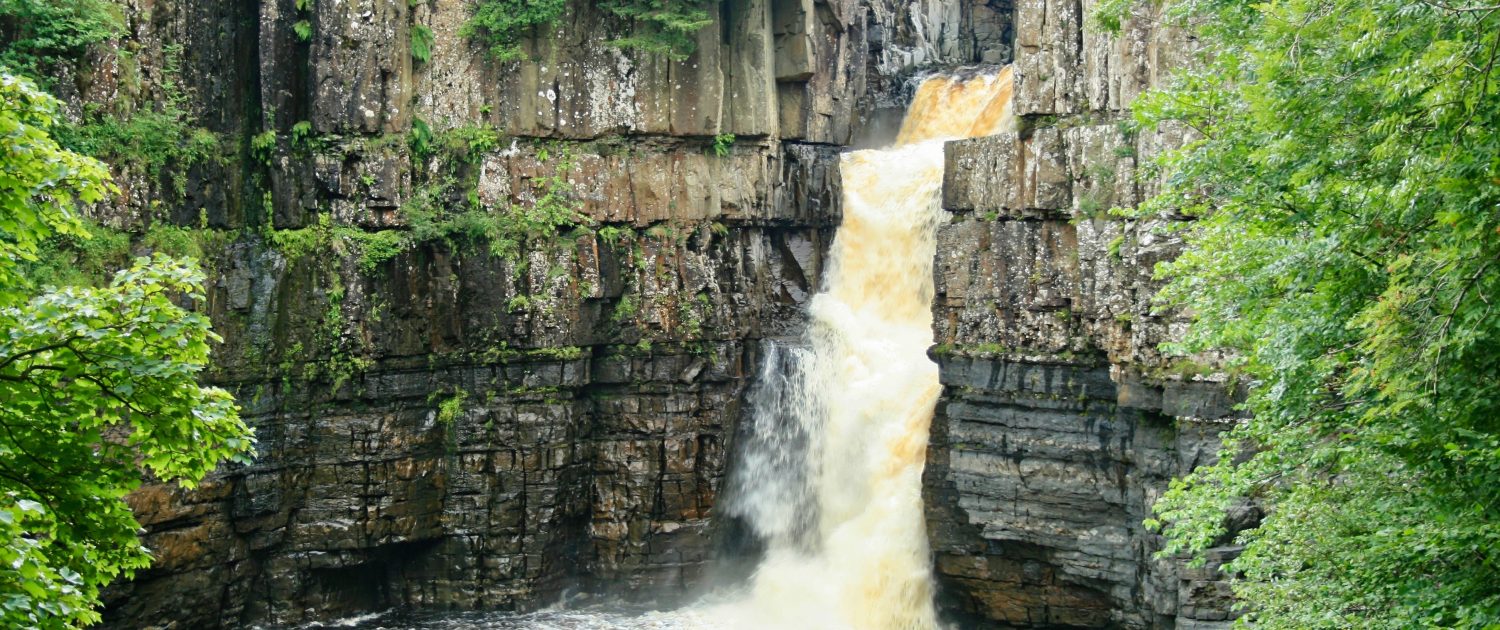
(476, 421)
(457, 426)
(1061, 422)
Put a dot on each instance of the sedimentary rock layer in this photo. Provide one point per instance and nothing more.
(453, 425)
(1061, 420)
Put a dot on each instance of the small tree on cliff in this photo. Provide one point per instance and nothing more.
(1347, 181)
(97, 385)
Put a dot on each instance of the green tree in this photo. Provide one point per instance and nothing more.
(36, 34)
(98, 386)
(500, 24)
(1346, 180)
(666, 27)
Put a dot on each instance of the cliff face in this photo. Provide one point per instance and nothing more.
(475, 422)
(478, 422)
(1061, 422)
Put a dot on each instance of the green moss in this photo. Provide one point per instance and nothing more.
(161, 140)
(948, 349)
(446, 209)
(562, 353)
(1089, 206)
(1182, 369)
(174, 240)
(611, 235)
(690, 314)
(92, 259)
(87, 261)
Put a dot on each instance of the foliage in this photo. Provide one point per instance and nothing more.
(93, 379)
(157, 140)
(421, 43)
(42, 181)
(302, 135)
(1347, 179)
(303, 27)
(722, 144)
(263, 146)
(162, 140)
(36, 35)
(448, 209)
(500, 24)
(450, 408)
(92, 259)
(419, 139)
(666, 27)
(97, 385)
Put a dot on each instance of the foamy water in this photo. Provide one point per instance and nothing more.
(586, 619)
(831, 479)
(830, 476)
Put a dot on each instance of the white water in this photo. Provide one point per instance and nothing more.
(831, 475)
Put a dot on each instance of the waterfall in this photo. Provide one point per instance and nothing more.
(830, 471)
(830, 476)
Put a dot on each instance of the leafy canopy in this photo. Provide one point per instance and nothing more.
(39, 181)
(36, 34)
(97, 386)
(1347, 179)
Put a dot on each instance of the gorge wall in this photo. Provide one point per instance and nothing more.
(477, 421)
(1061, 422)
(486, 419)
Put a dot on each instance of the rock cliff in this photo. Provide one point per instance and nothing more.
(455, 413)
(451, 416)
(1061, 422)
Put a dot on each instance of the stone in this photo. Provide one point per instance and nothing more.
(1061, 421)
(601, 375)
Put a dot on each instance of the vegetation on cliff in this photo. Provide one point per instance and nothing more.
(664, 27)
(1347, 180)
(37, 35)
(97, 385)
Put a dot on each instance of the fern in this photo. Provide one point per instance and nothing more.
(421, 43)
(666, 27)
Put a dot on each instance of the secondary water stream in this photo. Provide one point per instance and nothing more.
(830, 474)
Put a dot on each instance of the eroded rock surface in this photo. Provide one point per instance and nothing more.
(1061, 421)
(461, 427)
(474, 422)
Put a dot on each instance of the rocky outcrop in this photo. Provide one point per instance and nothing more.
(478, 421)
(469, 423)
(1061, 421)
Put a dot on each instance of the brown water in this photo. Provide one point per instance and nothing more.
(831, 478)
(833, 482)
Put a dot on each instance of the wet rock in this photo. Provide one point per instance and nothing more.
(1061, 421)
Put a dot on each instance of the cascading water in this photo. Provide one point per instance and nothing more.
(830, 476)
